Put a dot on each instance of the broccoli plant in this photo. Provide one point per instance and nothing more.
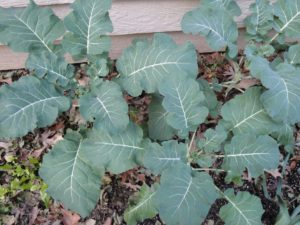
(251, 126)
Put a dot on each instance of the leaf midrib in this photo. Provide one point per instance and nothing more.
(290, 21)
(51, 71)
(237, 208)
(41, 40)
(30, 105)
(141, 204)
(248, 118)
(154, 65)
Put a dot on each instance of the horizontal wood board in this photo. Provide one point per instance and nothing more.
(131, 18)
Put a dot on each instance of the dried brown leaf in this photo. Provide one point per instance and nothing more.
(70, 218)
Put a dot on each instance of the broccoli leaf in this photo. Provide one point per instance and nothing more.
(145, 64)
(242, 208)
(106, 104)
(27, 104)
(254, 153)
(88, 25)
(69, 177)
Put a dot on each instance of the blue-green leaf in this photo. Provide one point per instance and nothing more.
(53, 68)
(215, 24)
(30, 29)
(282, 99)
(254, 153)
(213, 140)
(183, 101)
(246, 114)
(288, 18)
(141, 206)
(230, 5)
(260, 21)
(145, 64)
(184, 197)
(88, 25)
(294, 55)
(116, 153)
(105, 104)
(27, 104)
(242, 209)
(69, 177)
(158, 158)
(158, 127)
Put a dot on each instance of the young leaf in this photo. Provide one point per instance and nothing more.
(230, 5)
(260, 21)
(246, 114)
(88, 23)
(27, 104)
(282, 100)
(213, 140)
(30, 29)
(183, 102)
(242, 209)
(106, 104)
(98, 66)
(52, 67)
(141, 207)
(294, 54)
(210, 101)
(116, 153)
(158, 158)
(144, 65)
(158, 127)
(288, 18)
(285, 135)
(251, 152)
(69, 178)
(215, 24)
(184, 197)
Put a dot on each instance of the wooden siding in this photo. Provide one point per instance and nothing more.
(131, 18)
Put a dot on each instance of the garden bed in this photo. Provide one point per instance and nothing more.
(21, 157)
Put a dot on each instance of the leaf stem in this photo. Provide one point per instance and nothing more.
(192, 140)
(207, 169)
(273, 38)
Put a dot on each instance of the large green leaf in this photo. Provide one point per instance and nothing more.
(52, 67)
(27, 104)
(242, 209)
(105, 104)
(260, 21)
(282, 100)
(158, 158)
(183, 101)
(116, 153)
(158, 127)
(288, 17)
(69, 177)
(30, 29)
(254, 153)
(215, 24)
(246, 114)
(88, 23)
(230, 5)
(213, 139)
(294, 54)
(141, 206)
(184, 197)
(145, 64)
